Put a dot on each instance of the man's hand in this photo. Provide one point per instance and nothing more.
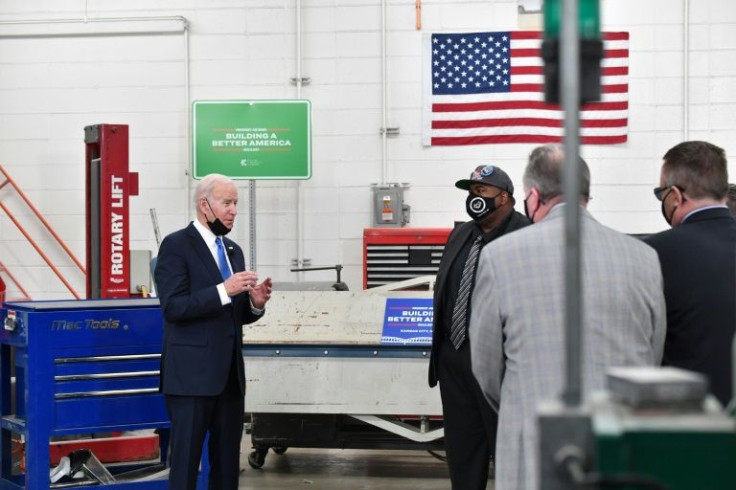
(260, 294)
(240, 282)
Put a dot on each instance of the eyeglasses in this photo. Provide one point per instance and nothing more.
(661, 194)
(659, 191)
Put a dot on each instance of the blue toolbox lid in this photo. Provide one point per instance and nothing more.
(84, 304)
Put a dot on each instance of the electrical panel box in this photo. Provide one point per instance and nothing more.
(388, 206)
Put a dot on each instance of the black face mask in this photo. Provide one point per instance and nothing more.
(217, 227)
(526, 211)
(664, 213)
(478, 207)
(668, 219)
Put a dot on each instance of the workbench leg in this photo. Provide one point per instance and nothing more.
(38, 459)
(6, 454)
(6, 447)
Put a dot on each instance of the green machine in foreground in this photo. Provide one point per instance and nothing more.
(654, 428)
(679, 450)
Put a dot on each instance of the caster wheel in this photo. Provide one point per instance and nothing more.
(279, 450)
(257, 458)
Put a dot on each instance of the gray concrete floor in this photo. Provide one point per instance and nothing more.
(345, 469)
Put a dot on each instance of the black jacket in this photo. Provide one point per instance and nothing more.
(698, 260)
(453, 247)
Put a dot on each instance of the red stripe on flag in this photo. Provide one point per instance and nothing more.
(606, 106)
(526, 53)
(490, 106)
(526, 35)
(526, 121)
(604, 123)
(527, 70)
(537, 53)
(524, 104)
(500, 138)
(496, 123)
(615, 89)
(611, 71)
(539, 87)
(607, 36)
(615, 53)
(527, 87)
(525, 138)
(606, 71)
(603, 140)
(616, 36)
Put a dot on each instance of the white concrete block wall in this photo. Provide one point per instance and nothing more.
(51, 87)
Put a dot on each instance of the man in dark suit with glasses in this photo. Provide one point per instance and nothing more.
(698, 258)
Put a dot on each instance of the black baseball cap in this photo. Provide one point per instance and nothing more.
(490, 175)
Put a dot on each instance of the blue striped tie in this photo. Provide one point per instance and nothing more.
(222, 259)
(460, 310)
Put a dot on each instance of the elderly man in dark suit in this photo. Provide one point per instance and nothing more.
(698, 257)
(470, 423)
(206, 296)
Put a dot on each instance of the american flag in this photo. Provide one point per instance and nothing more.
(488, 87)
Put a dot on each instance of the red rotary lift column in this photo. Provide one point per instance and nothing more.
(108, 186)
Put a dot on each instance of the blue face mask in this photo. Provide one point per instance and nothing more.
(478, 207)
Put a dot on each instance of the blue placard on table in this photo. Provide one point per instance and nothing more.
(407, 321)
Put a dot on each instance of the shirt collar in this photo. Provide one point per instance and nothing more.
(714, 206)
(207, 235)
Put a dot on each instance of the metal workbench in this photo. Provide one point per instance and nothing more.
(320, 373)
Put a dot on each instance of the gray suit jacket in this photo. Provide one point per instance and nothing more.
(517, 325)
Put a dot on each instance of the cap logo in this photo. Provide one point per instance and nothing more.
(482, 172)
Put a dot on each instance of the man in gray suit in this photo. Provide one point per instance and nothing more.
(517, 321)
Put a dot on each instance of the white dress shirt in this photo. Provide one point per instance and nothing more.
(211, 240)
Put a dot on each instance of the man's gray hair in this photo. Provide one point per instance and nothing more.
(205, 186)
(544, 172)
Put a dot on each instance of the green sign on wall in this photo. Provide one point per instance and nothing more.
(252, 139)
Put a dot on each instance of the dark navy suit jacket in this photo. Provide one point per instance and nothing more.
(201, 336)
(698, 260)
